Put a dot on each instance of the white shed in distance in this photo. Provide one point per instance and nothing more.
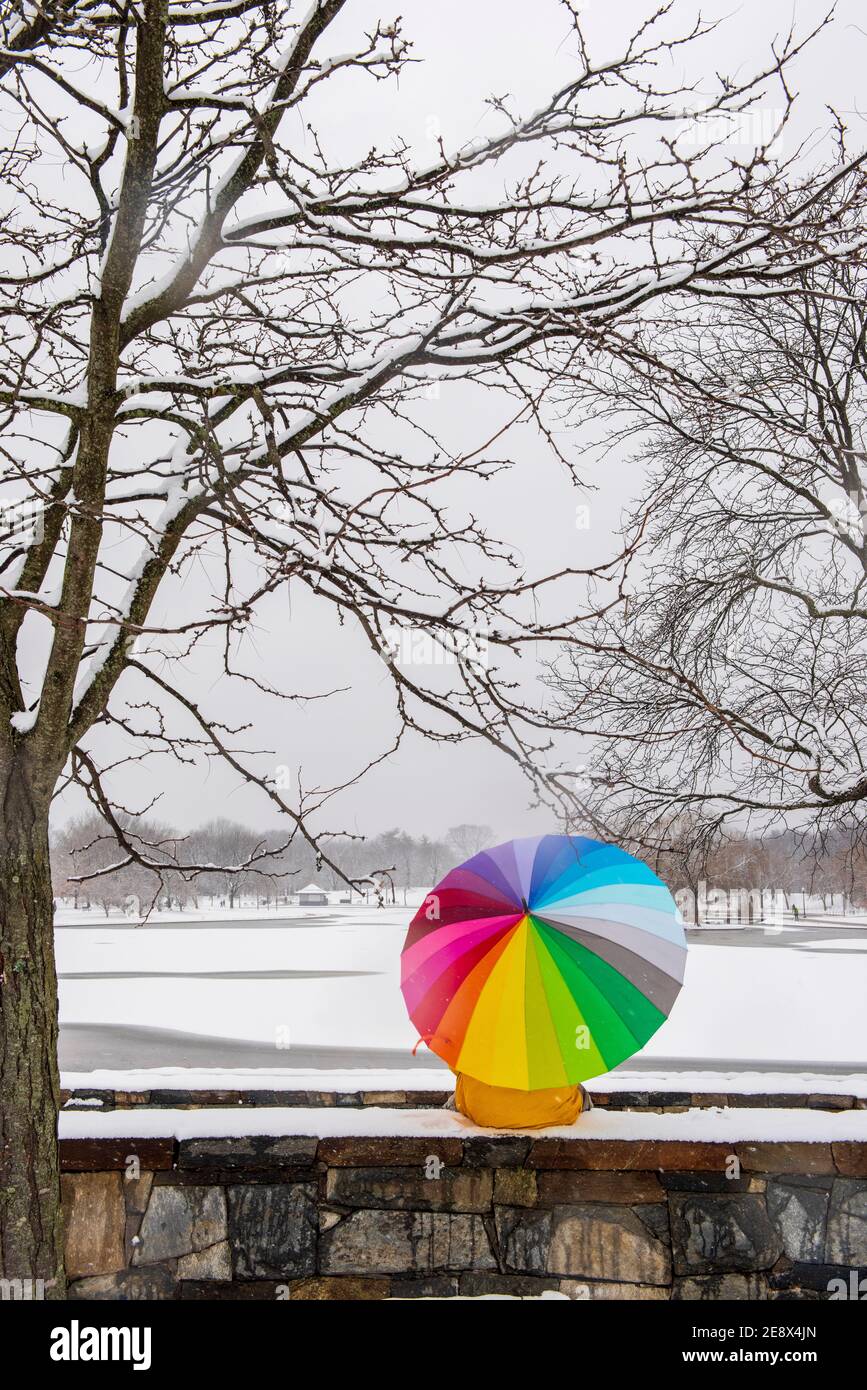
(312, 896)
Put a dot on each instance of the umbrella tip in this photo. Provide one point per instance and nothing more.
(524, 905)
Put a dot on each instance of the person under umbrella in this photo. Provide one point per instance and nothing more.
(537, 965)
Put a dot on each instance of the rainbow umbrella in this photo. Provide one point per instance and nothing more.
(543, 961)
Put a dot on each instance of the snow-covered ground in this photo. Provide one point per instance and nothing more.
(310, 999)
(710, 1126)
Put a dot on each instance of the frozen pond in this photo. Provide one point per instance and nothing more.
(317, 991)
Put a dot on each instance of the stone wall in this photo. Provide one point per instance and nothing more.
(356, 1217)
(100, 1099)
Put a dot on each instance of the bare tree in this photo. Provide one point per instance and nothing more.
(225, 845)
(467, 840)
(215, 330)
(727, 689)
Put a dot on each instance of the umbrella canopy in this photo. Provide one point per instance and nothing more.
(543, 962)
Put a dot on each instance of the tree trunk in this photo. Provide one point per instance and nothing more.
(31, 1234)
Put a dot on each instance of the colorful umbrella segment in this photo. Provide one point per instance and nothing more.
(543, 962)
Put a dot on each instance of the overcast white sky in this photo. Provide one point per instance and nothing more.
(470, 49)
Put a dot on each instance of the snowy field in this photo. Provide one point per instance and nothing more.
(311, 998)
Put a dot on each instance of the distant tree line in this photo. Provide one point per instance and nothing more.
(268, 873)
(249, 866)
(790, 867)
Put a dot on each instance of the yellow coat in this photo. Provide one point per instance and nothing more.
(500, 1107)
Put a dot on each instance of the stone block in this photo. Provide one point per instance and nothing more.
(326, 1290)
(724, 1287)
(850, 1158)
(800, 1215)
(106, 1155)
(607, 1243)
(426, 1100)
(627, 1100)
(255, 1152)
(389, 1152)
(797, 1296)
(230, 1291)
(846, 1242)
(512, 1285)
(524, 1236)
(403, 1242)
(96, 1100)
(711, 1182)
(434, 1286)
(515, 1187)
(214, 1262)
(820, 1101)
(622, 1155)
(592, 1291)
(565, 1186)
(713, 1234)
(95, 1218)
(655, 1218)
(273, 1230)
(786, 1276)
(506, 1151)
(137, 1193)
(456, 1189)
(128, 1285)
(180, 1220)
(786, 1158)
